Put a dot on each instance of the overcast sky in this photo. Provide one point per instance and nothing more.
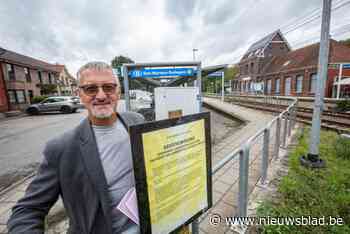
(73, 32)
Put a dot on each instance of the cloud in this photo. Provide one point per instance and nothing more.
(75, 32)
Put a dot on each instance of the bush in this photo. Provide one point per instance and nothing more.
(342, 147)
(37, 99)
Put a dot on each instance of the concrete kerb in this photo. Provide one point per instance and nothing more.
(16, 184)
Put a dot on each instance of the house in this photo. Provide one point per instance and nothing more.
(22, 78)
(67, 84)
(257, 57)
(286, 72)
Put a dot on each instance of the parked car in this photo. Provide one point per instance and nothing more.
(64, 104)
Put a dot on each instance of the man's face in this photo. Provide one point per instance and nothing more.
(103, 103)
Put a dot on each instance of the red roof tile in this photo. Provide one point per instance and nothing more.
(306, 57)
(23, 60)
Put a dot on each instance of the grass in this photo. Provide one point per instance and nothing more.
(316, 193)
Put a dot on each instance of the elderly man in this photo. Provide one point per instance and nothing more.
(90, 167)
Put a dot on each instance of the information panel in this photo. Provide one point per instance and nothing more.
(172, 163)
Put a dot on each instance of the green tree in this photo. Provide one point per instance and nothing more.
(346, 42)
(117, 63)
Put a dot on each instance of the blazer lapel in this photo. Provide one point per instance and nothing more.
(94, 168)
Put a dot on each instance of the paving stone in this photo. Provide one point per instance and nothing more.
(231, 196)
(5, 206)
(4, 217)
(230, 177)
(220, 186)
(15, 196)
(3, 229)
(221, 209)
(217, 196)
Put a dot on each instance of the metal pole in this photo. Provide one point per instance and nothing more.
(199, 84)
(322, 70)
(290, 114)
(126, 88)
(195, 227)
(243, 181)
(278, 137)
(194, 52)
(223, 86)
(285, 130)
(339, 79)
(265, 156)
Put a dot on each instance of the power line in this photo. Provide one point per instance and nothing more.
(315, 18)
(304, 17)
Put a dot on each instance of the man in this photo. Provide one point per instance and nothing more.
(90, 167)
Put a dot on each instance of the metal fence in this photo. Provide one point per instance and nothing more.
(261, 149)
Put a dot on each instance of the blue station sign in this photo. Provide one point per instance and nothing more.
(215, 74)
(162, 72)
(346, 66)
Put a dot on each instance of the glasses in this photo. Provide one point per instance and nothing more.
(92, 89)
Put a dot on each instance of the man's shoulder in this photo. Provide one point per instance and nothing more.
(64, 140)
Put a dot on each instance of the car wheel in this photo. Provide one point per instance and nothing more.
(66, 109)
(33, 111)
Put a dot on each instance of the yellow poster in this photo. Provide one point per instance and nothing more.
(175, 162)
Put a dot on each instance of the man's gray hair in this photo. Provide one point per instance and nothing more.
(97, 66)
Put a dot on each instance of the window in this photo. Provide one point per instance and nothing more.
(20, 96)
(251, 67)
(299, 84)
(287, 86)
(10, 71)
(269, 87)
(313, 80)
(12, 96)
(17, 96)
(246, 69)
(27, 74)
(40, 78)
(50, 78)
(277, 86)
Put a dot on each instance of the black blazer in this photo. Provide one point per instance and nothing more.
(72, 169)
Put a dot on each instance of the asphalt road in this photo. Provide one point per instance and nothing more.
(22, 140)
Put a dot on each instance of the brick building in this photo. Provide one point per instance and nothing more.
(294, 73)
(21, 79)
(67, 84)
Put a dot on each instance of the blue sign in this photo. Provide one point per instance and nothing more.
(346, 65)
(215, 74)
(162, 72)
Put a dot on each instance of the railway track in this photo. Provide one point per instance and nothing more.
(339, 122)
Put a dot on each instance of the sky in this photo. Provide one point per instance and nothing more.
(76, 32)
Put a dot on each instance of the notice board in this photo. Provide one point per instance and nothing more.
(172, 166)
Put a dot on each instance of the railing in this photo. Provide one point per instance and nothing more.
(281, 126)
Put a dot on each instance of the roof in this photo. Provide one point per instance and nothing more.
(307, 57)
(23, 60)
(262, 43)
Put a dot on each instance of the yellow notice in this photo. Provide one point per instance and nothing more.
(175, 161)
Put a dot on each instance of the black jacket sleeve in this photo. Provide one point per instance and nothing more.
(28, 215)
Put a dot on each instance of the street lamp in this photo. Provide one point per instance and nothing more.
(194, 54)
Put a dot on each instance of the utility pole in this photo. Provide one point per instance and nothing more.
(313, 159)
(194, 54)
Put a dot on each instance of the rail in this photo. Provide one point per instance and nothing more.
(282, 126)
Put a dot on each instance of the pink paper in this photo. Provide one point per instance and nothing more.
(128, 205)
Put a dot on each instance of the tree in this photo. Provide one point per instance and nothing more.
(346, 42)
(117, 63)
